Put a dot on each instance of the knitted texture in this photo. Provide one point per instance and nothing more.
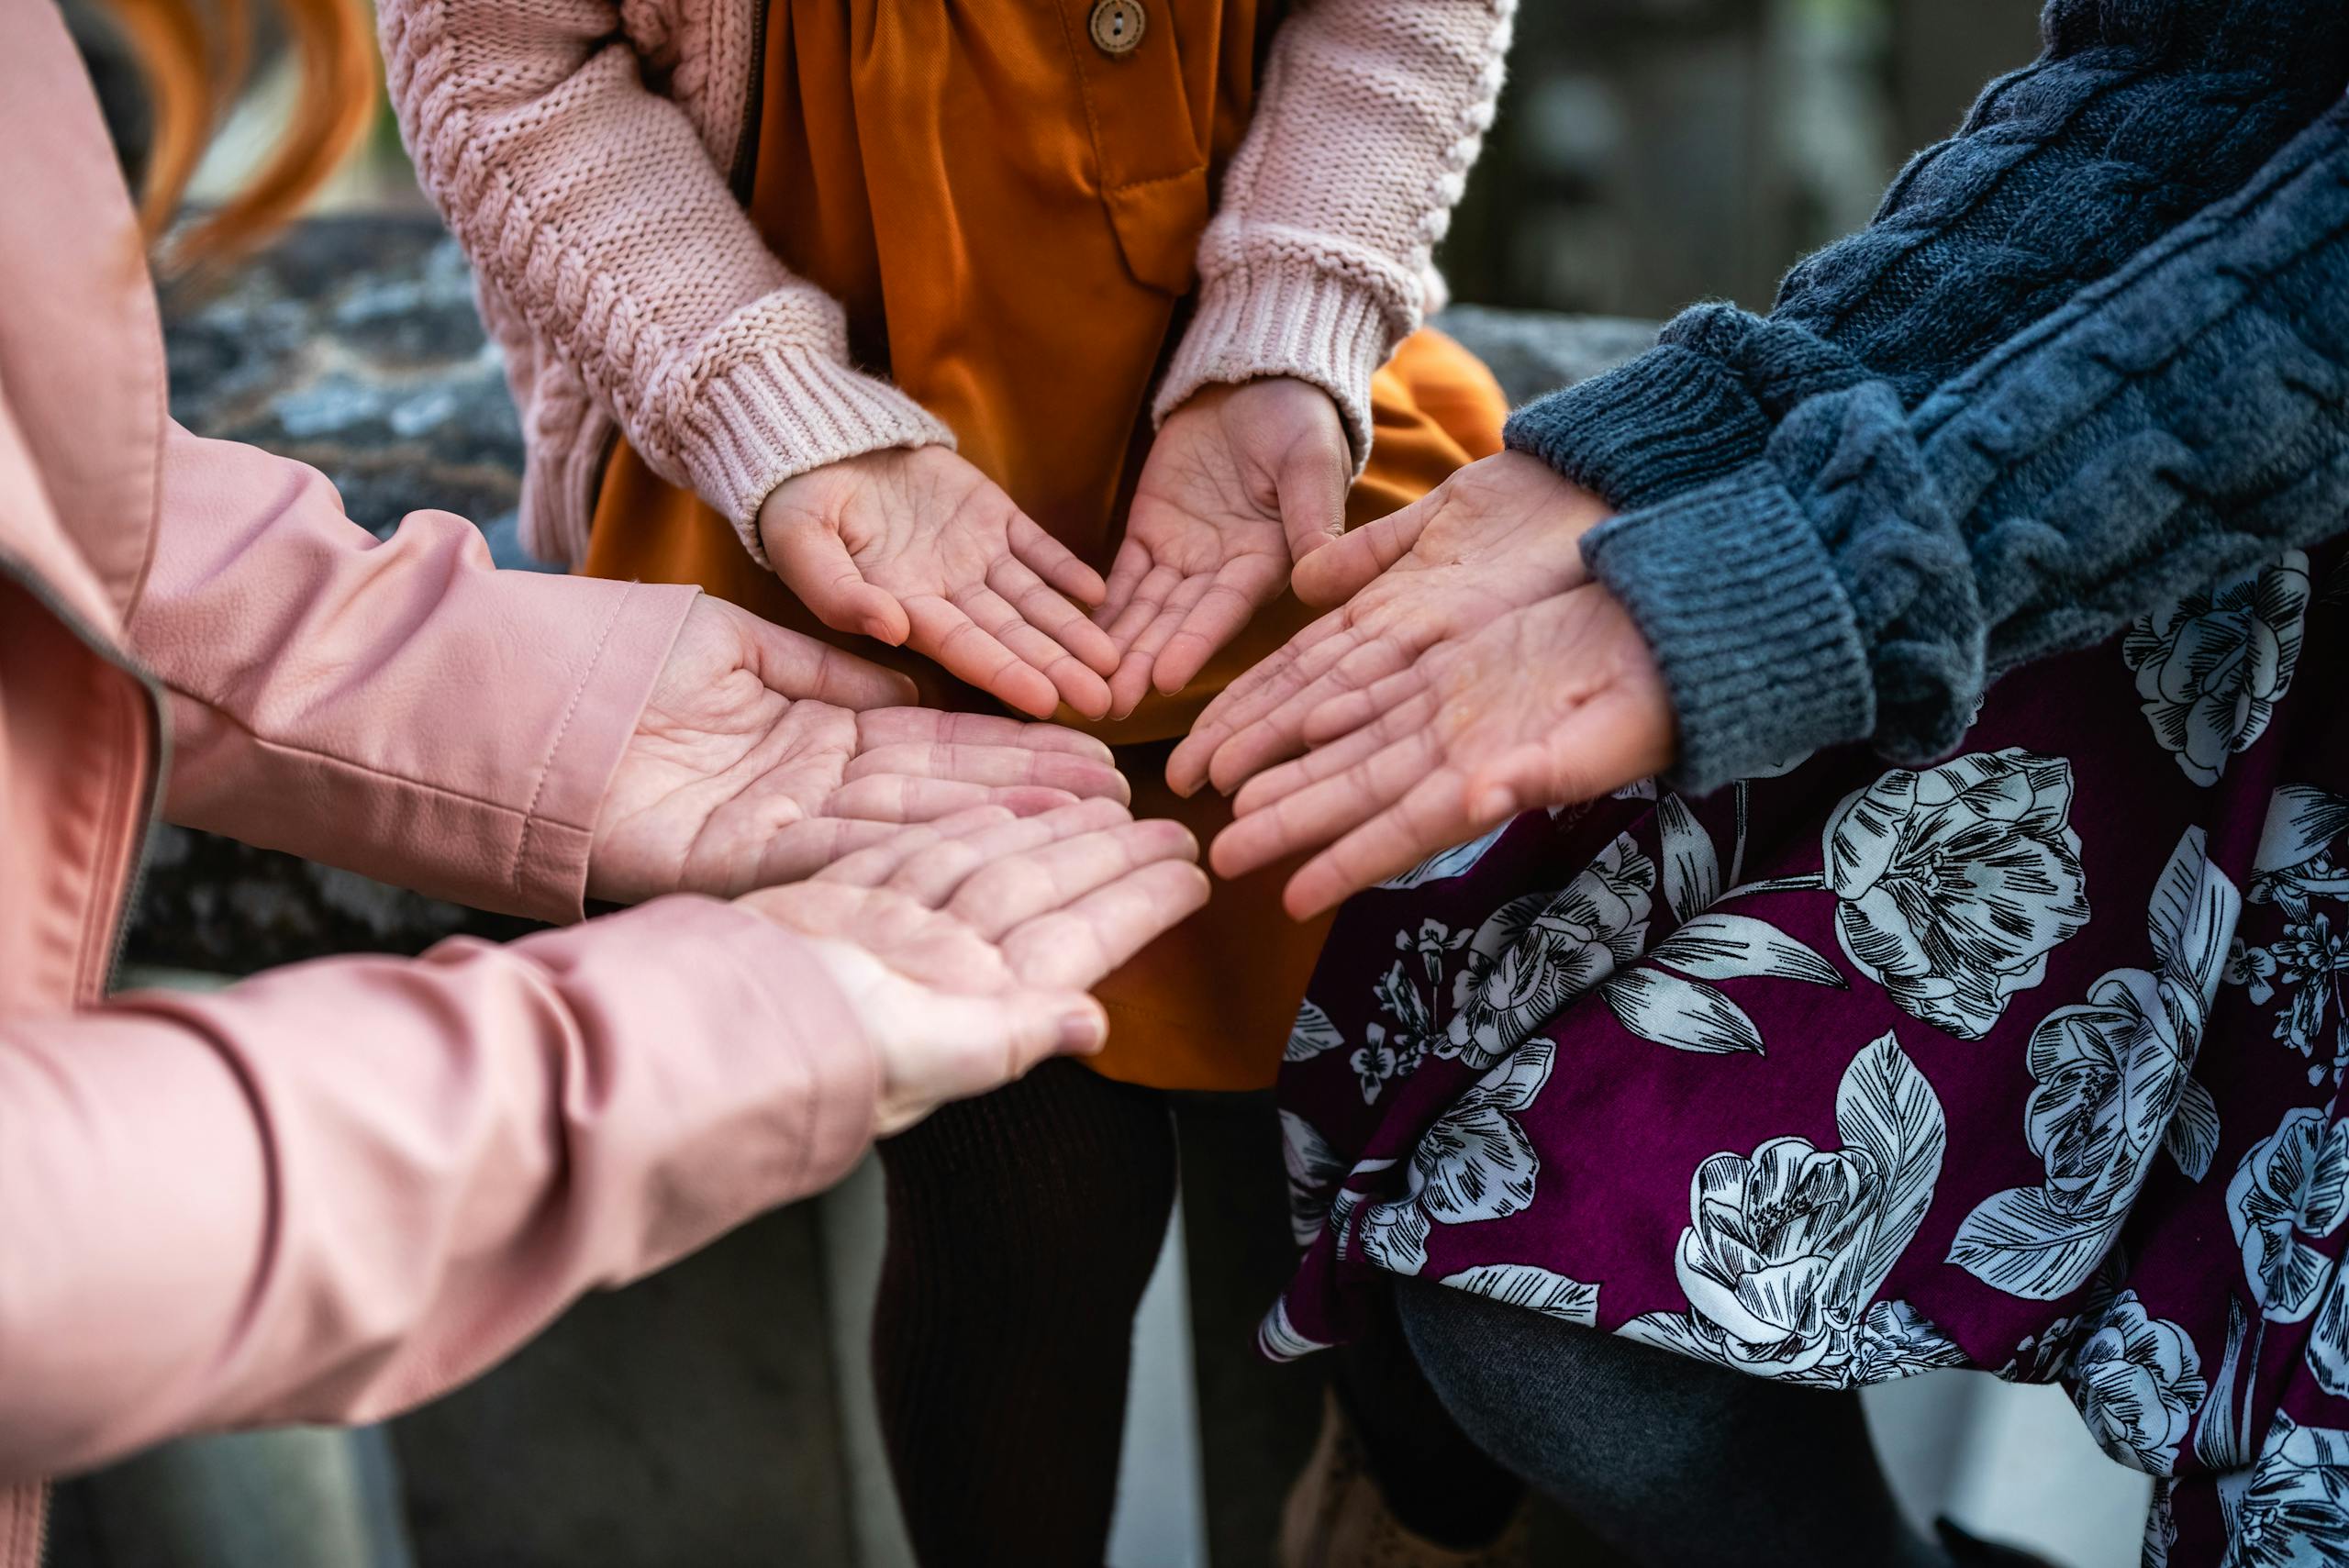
(630, 289)
(1319, 259)
(2139, 113)
(2176, 424)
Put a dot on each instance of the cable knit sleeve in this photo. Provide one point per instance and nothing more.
(1870, 573)
(1318, 262)
(2137, 115)
(586, 199)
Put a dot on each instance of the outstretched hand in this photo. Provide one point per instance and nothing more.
(763, 756)
(917, 548)
(965, 946)
(1241, 481)
(1557, 702)
(1498, 535)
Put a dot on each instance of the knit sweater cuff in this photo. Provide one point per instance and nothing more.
(1283, 316)
(782, 412)
(1671, 421)
(1750, 624)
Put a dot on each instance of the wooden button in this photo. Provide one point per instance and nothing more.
(1117, 27)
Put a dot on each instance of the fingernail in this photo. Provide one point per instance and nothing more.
(1083, 1033)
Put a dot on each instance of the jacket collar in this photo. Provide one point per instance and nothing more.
(80, 344)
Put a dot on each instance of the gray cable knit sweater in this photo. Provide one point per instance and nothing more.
(1834, 531)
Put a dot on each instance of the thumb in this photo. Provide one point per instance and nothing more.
(1346, 568)
(968, 1045)
(1310, 485)
(815, 565)
(800, 667)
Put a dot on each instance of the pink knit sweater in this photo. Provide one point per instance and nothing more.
(629, 290)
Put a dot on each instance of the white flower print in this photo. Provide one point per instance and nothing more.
(1475, 1164)
(2298, 861)
(1957, 881)
(1278, 1339)
(1314, 1171)
(1785, 1247)
(2137, 1382)
(2328, 1350)
(2212, 666)
(2299, 864)
(2291, 1184)
(1539, 953)
(2292, 1509)
(2161, 1526)
(1534, 1289)
(1313, 1034)
(1446, 865)
(2114, 1086)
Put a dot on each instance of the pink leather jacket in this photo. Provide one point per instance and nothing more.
(344, 1187)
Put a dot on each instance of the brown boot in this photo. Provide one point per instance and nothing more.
(1337, 1518)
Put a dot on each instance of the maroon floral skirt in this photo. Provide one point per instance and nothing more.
(2029, 1063)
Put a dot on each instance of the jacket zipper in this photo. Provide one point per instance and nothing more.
(150, 799)
(746, 145)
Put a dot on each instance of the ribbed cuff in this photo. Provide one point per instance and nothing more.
(1285, 316)
(1671, 421)
(1750, 624)
(783, 412)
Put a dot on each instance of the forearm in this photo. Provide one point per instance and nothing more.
(1863, 580)
(1369, 115)
(342, 1188)
(2135, 117)
(587, 202)
(397, 707)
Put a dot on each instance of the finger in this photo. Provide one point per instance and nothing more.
(901, 797)
(1044, 609)
(883, 857)
(1289, 728)
(1346, 566)
(944, 633)
(1018, 888)
(1132, 683)
(936, 875)
(1311, 484)
(1322, 812)
(1329, 761)
(1222, 612)
(976, 1044)
(1260, 688)
(1127, 573)
(1078, 945)
(1082, 688)
(1371, 681)
(1598, 748)
(1051, 560)
(1431, 815)
(817, 567)
(1080, 776)
(905, 726)
(801, 667)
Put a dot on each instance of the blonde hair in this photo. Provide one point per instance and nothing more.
(194, 57)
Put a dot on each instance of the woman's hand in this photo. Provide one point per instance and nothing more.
(1554, 703)
(965, 946)
(1241, 481)
(1498, 535)
(917, 548)
(763, 756)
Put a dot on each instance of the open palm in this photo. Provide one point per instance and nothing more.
(1241, 481)
(1498, 535)
(1558, 702)
(965, 946)
(917, 548)
(762, 756)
